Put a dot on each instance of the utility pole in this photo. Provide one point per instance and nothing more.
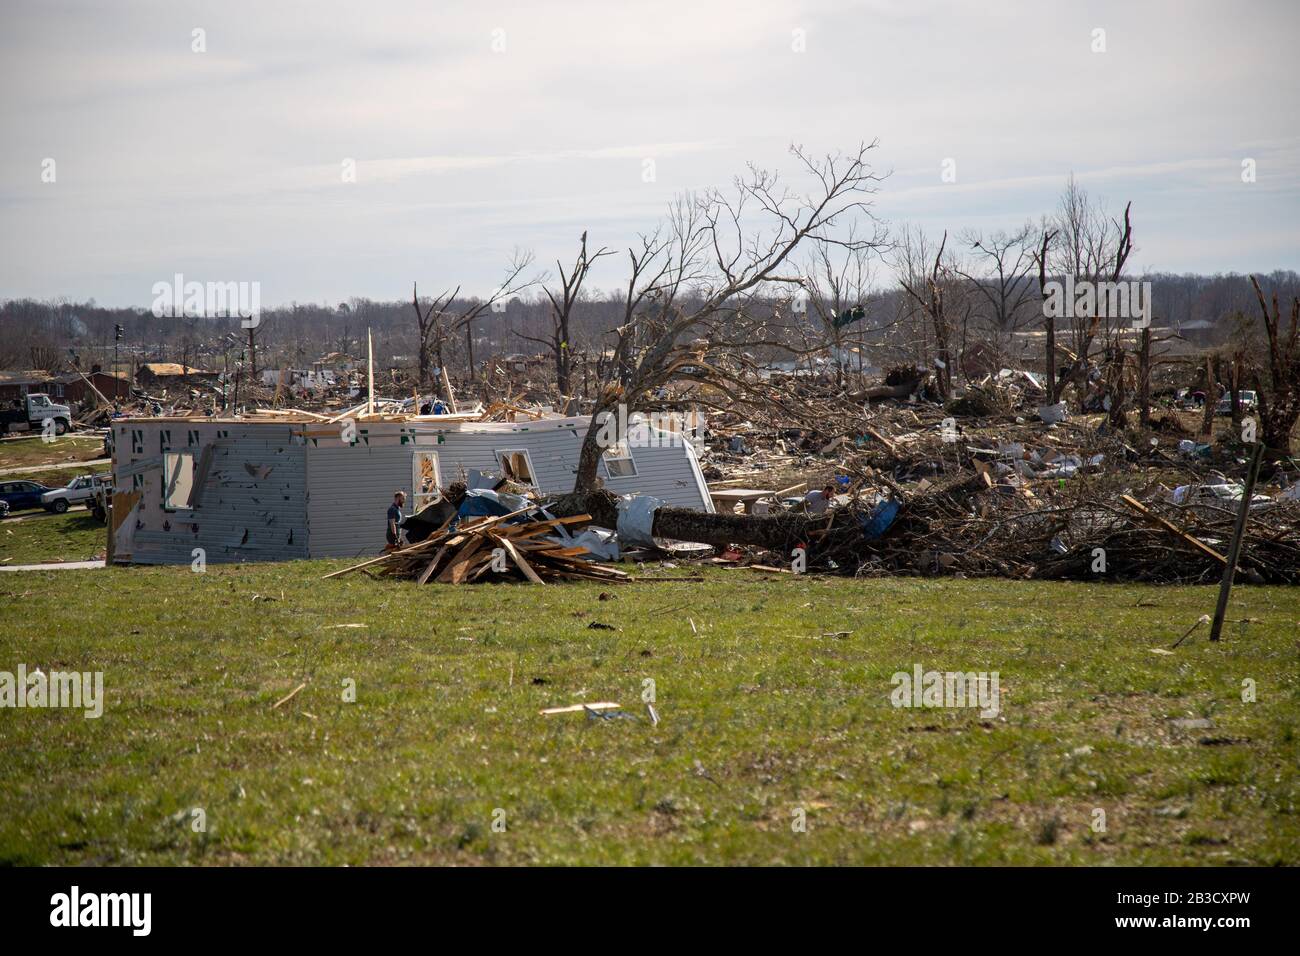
(238, 367)
(118, 332)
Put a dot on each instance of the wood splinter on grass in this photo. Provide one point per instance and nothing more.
(1203, 619)
(579, 708)
(288, 697)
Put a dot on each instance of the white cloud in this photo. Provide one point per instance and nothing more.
(230, 160)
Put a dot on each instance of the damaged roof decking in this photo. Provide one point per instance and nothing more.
(323, 497)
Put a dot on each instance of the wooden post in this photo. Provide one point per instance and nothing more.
(451, 396)
(1239, 532)
(370, 373)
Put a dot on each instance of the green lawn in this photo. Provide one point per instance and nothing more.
(33, 450)
(766, 712)
(33, 537)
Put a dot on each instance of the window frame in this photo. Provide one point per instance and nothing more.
(166, 480)
(606, 458)
(416, 496)
(528, 459)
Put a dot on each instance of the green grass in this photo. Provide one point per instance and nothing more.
(764, 713)
(33, 537)
(31, 451)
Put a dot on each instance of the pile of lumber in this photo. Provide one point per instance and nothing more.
(500, 548)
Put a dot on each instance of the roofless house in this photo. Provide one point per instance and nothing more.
(293, 486)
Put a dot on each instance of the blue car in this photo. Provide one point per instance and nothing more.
(22, 494)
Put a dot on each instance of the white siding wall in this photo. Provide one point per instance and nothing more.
(350, 487)
(240, 517)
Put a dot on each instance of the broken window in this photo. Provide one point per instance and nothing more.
(178, 479)
(424, 479)
(517, 467)
(618, 461)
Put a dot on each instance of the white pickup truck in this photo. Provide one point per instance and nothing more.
(32, 411)
(83, 490)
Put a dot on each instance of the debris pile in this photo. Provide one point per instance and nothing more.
(496, 548)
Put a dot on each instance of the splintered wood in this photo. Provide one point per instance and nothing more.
(490, 549)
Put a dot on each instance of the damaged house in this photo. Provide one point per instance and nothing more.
(273, 490)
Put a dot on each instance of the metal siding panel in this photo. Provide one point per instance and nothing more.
(241, 517)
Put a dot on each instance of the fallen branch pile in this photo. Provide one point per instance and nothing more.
(493, 549)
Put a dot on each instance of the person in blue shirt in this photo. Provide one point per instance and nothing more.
(393, 529)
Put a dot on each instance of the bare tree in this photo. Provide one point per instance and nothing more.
(1279, 392)
(436, 324)
(1007, 258)
(562, 302)
(718, 250)
(1049, 322)
(926, 290)
(838, 284)
(1093, 247)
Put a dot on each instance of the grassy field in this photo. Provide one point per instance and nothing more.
(34, 537)
(774, 699)
(32, 451)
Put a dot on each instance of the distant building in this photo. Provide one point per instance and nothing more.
(15, 383)
(338, 361)
(1199, 331)
(73, 387)
(170, 374)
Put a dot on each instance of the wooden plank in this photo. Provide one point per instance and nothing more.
(424, 576)
(460, 565)
(519, 560)
(1172, 528)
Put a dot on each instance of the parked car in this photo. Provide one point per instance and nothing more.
(4, 508)
(80, 491)
(21, 495)
(1248, 400)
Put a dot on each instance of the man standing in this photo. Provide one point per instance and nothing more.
(394, 534)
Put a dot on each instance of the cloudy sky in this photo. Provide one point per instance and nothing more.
(479, 127)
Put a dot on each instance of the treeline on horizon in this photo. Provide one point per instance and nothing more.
(50, 334)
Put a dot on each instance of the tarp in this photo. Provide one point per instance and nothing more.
(483, 502)
(881, 518)
(636, 516)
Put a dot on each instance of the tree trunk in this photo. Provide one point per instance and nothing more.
(424, 364)
(1278, 419)
(776, 533)
(1144, 379)
(469, 350)
(562, 359)
(590, 453)
(1211, 399)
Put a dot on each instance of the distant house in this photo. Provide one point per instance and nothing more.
(15, 383)
(1198, 331)
(74, 388)
(338, 361)
(170, 374)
